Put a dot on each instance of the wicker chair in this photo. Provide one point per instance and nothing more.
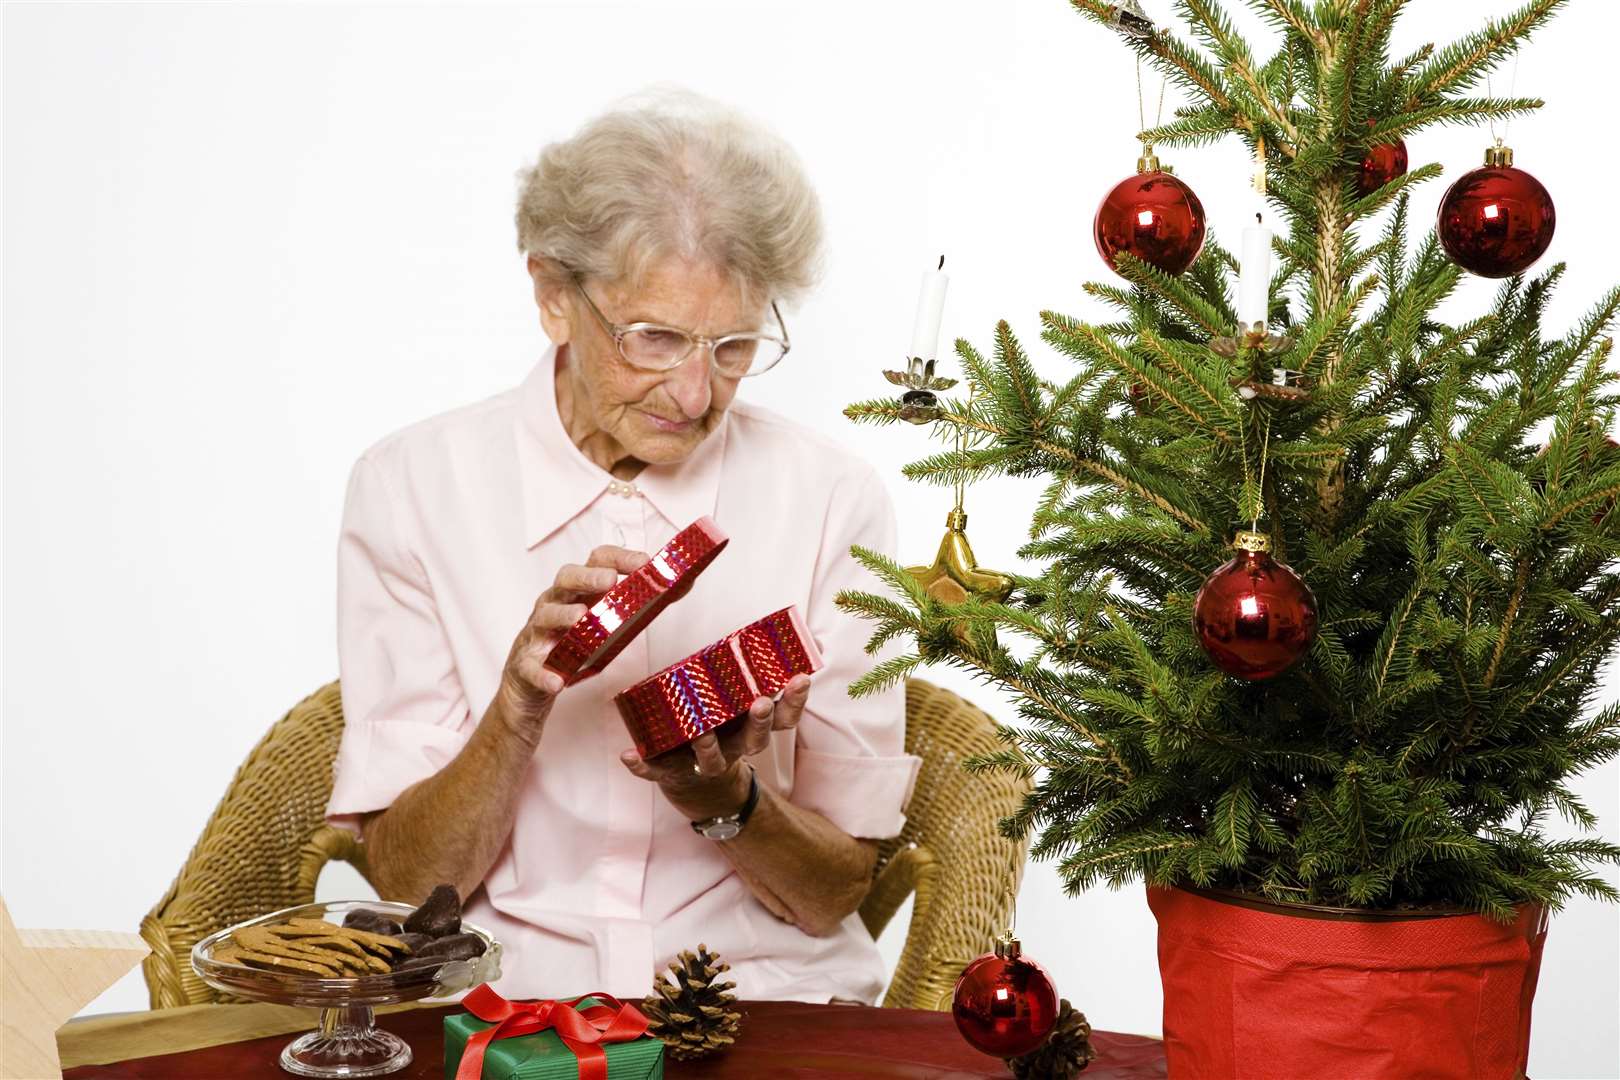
(949, 852)
(266, 843)
(262, 850)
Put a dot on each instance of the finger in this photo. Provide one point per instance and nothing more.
(624, 560)
(711, 761)
(639, 766)
(757, 728)
(530, 688)
(791, 708)
(534, 646)
(750, 733)
(531, 664)
(586, 580)
(554, 618)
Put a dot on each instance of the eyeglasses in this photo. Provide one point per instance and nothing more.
(655, 347)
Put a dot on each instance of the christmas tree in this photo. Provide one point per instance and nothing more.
(1446, 491)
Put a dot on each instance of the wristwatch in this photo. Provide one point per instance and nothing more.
(726, 826)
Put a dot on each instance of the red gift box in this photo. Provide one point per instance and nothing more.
(715, 685)
(708, 689)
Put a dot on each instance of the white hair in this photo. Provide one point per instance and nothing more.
(665, 173)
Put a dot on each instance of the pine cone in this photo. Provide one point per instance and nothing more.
(691, 1013)
(1064, 1053)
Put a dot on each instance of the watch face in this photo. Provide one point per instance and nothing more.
(722, 830)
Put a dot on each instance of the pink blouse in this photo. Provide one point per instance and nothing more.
(453, 527)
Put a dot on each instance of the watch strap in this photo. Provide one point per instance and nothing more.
(707, 827)
(752, 801)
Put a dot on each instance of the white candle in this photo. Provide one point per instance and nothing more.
(930, 307)
(1254, 281)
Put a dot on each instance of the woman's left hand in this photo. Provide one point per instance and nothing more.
(707, 779)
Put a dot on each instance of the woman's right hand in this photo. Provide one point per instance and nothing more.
(527, 687)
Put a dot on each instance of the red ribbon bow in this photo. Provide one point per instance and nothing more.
(581, 1030)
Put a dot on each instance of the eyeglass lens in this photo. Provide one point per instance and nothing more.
(658, 349)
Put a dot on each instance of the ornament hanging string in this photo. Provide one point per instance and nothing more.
(1507, 122)
(1243, 454)
(962, 444)
(1260, 489)
(1141, 117)
(1012, 893)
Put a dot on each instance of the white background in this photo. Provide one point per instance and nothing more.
(244, 242)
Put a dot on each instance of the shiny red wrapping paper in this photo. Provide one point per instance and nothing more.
(624, 610)
(716, 684)
(1268, 996)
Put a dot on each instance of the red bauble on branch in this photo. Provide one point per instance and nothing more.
(1382, 164)
(1254, 616)
(1004, 1003)
(1153, 216)
(1497, 220)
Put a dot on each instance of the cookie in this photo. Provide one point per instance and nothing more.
(454, 947)
(372, 922)
(284, 963)
(377, 943)
(440, 913)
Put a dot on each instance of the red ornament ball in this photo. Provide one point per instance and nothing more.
(1153, 216)
(1495, 221)
(1004, 1003)
(1254, 616)
(1381, 165)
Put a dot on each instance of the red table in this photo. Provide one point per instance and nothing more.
(780, 1040)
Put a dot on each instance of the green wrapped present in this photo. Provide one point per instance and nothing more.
(573, 1039)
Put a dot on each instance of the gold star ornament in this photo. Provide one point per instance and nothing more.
(48, 976)
(955, 574)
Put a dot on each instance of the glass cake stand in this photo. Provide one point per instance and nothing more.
(348, 1042)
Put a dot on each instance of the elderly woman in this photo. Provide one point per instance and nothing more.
(662, 240)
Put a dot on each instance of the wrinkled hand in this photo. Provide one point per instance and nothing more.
(707, 778)
(527, 689)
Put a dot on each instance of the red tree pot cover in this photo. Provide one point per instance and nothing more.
(1276, 992)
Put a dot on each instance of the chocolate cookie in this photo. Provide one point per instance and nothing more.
(373, 922)
(439, 915)
(454, 947)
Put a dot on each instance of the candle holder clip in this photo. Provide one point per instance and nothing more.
(1129, 19)
(918, 405)
(1252, 337)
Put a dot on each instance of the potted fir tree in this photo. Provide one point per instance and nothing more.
(1328, 760)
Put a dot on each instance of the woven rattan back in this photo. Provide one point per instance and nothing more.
(949, 852)
(261, 851)
(266, 843)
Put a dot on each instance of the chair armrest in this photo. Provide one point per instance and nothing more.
(910, 870)
(325, 844)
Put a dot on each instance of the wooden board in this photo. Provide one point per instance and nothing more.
(48, 975)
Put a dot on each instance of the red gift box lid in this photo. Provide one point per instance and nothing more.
(626, 609)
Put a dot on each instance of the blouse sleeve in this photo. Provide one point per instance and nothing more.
(405, 713)
(850, 763)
